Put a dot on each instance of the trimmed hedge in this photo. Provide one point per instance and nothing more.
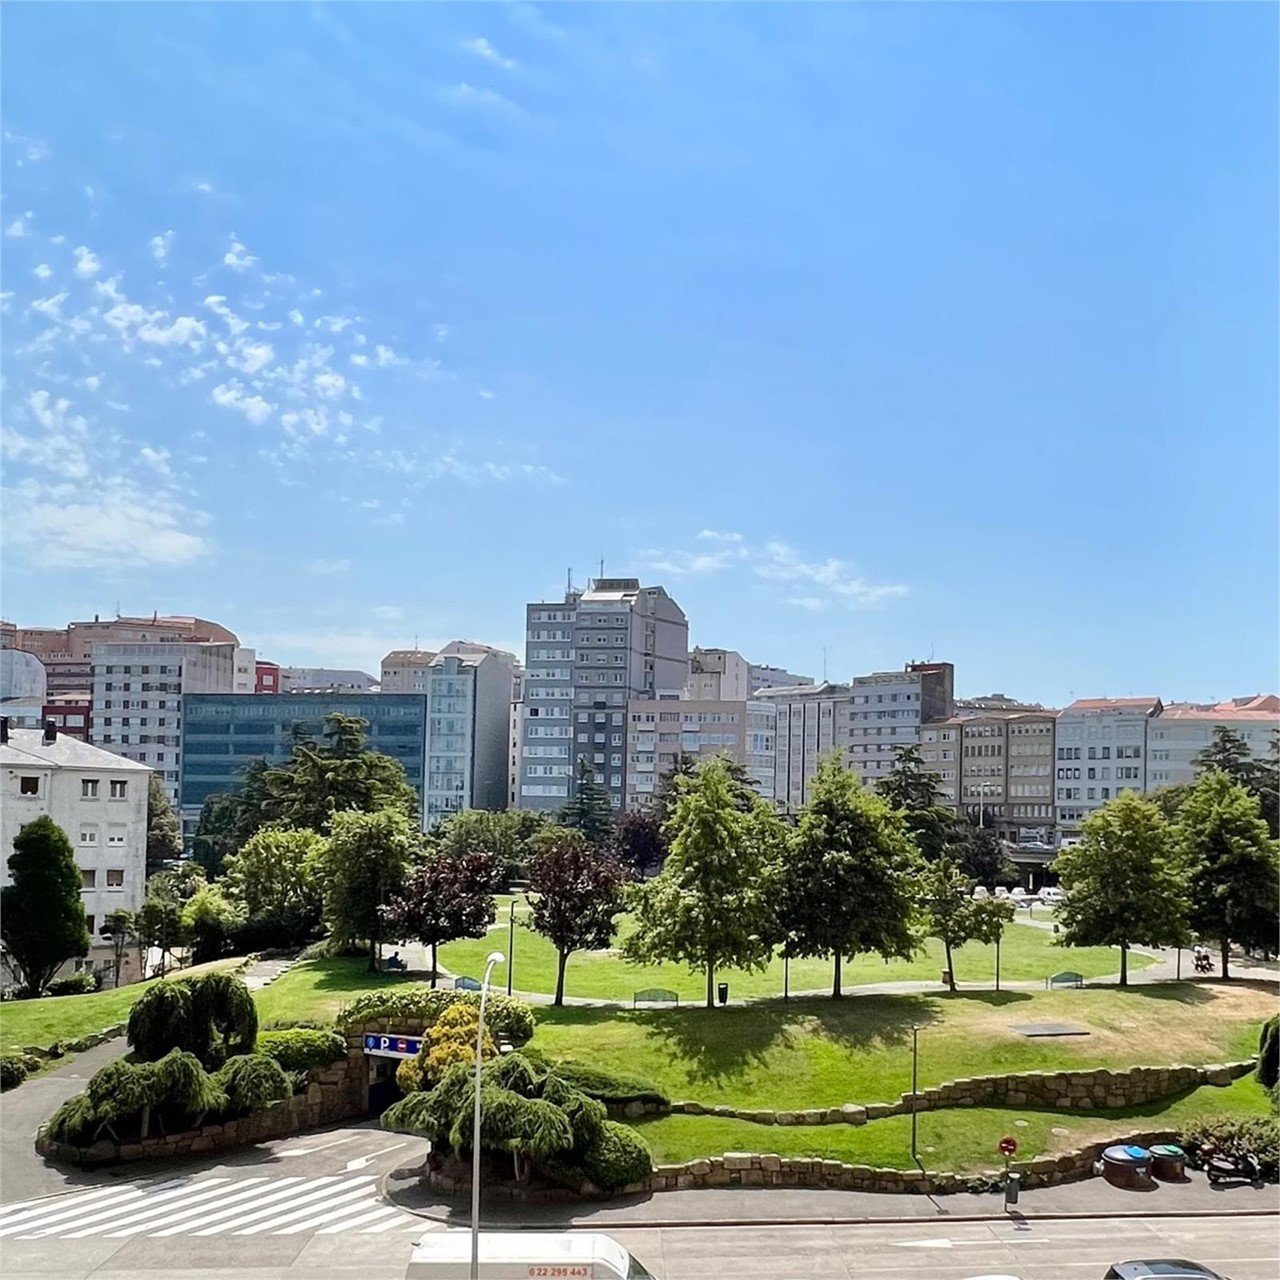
(74, 984)
(607, 1087)
(507, 1017)
(301, 1048)
(13, 1071)
(618, 1157)
(252, 1081)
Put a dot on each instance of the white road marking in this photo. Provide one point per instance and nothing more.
(315, 1188)
(306, 1151)
(364, 1219)
(334, 1197)
(13, 1216)
(144, 1218)
(923, 1244)
(142, 1199)
(361, 1161)
(278, 1189)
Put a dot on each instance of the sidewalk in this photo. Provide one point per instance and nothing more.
(779, 1206)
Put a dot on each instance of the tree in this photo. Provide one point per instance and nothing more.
(1123, 881)
(504, 835)
(274, 873)
(912, 789)
(209, 918)
(1169, 799)
(1269, 786)
(215, 838)
(1229, 753)
(665, 794)
(847, 882)
(638, 842)
(1232, 863)
(589, 809)
(579, 892)
(711, 904)
(159, 925)
(164, 831)
(362, 866)
(978, 853)
(444, 897)
(118, 929)
(41, 913)
(953, 917)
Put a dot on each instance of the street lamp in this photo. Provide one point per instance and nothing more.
(495, 957)
(511, 945)
(915, 1086)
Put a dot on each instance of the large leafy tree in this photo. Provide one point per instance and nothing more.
(1123, 881)
(1269, 786)
(445, 896)
(953, 917)
(589, 810)
(578, 893)
(275, 872)
(638, 841)
(505, 836)
(209, 919)
(711, 905)
(118, 929)
(1170, 799)
(1232, 863)
(164, 831)
(848, 879)
(912, 789)
(979, 855)
(215, 838)
(362, 866)
(42, 918)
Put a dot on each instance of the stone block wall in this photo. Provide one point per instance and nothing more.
(1098, 1090)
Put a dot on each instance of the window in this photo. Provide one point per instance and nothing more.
(88, 788)
(28, 785)
(88, 924)
(88, 879)
(115, 877)
(116, 836)
(88, 835)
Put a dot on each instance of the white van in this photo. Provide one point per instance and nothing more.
(523, 1255)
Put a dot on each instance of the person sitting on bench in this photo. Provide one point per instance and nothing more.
(393, 961)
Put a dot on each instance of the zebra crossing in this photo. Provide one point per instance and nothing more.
(210, 1206)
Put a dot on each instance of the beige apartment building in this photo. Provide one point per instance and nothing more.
(812, 722)
(657, 731)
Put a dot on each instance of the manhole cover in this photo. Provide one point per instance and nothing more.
(930, 1150)
(1059, 1132)
(1022, 1124)
(1048, 1029)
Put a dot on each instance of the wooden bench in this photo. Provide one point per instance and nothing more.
(655, 995)
(1065, 979)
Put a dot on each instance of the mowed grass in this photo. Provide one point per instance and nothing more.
(51, 1018)
(959, 1140)
(817, 1052)
(1027, 953)
(315, 990)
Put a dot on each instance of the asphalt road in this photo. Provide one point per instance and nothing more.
(1243, 1248)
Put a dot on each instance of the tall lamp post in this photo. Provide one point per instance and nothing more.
(511, 945)
(915, 1086)
(495, 957)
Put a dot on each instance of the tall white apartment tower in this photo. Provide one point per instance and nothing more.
(586, 657)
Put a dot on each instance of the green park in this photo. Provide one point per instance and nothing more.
(701, 979)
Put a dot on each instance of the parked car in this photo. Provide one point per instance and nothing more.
(1021, 898)
(1166, 1268)
(1001, 891)
(1052, 895)
(980, 891)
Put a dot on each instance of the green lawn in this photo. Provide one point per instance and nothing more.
(315, 990)
(52, 1018)
(821, 1053)
(1027, 953)
(956, 1140)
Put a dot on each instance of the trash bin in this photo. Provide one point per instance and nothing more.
(945, 979)
(1127, 1167)
(1012, 1184)
(722, 990)
(1168, 1163)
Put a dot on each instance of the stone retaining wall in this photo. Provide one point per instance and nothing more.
(1038, 1090)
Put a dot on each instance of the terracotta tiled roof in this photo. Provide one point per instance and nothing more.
(1261, 708)
(1107, 704)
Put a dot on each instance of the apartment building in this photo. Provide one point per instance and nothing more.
(887, 710)
(266, 677)
(325, 680)
(811, 722)
(138, 692)
(1100, 749)
(586, 658)
(405, 670)
(1183, 729)
(67, 652)
(718, 675)
(656, 732)
(100, 802)
(23, 688)
(221, 732)
(760, 676)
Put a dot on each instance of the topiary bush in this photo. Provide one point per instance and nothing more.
(212, 1016)
(301, 1048)
(252, 1081)
(75, 984)
(607, 1087)
(617, 1158)
(452, 1041)
(505, 1016)
(13, 1071)
(1268, 1070)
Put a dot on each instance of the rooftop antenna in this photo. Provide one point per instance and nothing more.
(602, 566)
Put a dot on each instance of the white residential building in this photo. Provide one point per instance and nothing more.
(586, 658)
(97, 798)
(718, 675)
(325, 680)
(887, 710)
(1100, 749)
(137, 698)
(1183, 729)
(245, 676)
(760, 676)
(812, 722)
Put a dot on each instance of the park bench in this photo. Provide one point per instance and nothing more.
(1064, 979)
(654, 995)
(465, 984)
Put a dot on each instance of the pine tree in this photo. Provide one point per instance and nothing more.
(1229, 753)
(215, 837)
(589, 809)
(42, 918)
(913, 790)
(164, 831)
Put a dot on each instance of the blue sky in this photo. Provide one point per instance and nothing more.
(890, 330)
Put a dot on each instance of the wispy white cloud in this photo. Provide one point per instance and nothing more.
(483, 49)
(87, 263)
(387, 612)
(328, 566)
(160, 246)
(237, 257)
(42, 272)
(384, 357)
(204, 188)
(18, 227)
(480, 98)
(330, 385)
(218, 305)
(297, 317)
(232, 395)
(485, 394)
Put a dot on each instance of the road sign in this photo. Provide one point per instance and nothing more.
(1008, 1146)
(392, 1046)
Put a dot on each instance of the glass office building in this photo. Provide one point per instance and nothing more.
(223, 732)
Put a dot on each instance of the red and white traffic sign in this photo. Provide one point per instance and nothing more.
(1008, 1146)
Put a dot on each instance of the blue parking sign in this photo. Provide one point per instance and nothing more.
(392, 1046)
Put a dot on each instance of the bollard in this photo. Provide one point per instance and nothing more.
(1011, 1184)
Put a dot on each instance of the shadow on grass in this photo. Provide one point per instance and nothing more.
(1168, 992)
(351, 974)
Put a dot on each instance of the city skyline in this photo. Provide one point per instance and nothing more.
(935, 335)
